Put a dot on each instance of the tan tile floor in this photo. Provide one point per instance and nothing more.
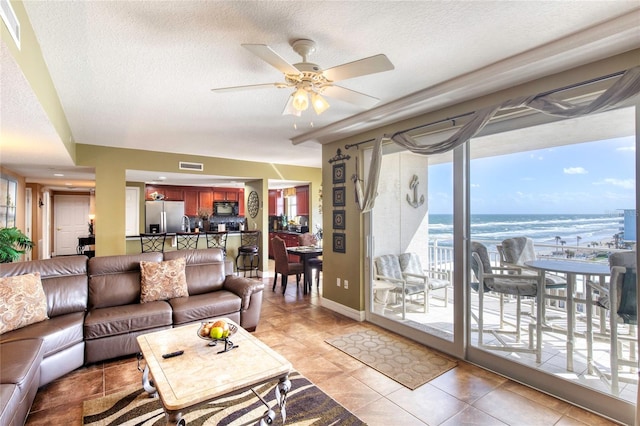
(296, 326)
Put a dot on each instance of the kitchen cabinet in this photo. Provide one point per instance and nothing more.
(191, 203)
(205, 200)
(302, 200)
(171, 193)
(276, 202)
(226, 194)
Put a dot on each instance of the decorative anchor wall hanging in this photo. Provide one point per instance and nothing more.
(414, 185)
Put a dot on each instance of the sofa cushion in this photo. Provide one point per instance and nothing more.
(205, 270)
(20, 375)
(163, 280)
(115, 280)
(125, 319)
(57, 333)
(203, 306)
(22, 301)
(64, 280)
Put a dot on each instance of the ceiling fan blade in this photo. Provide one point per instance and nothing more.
(351, 96)
(267, 54)
(251, 86)
(370, 65)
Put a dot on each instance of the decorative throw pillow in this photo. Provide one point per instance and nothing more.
(163, 280)
(22, 301)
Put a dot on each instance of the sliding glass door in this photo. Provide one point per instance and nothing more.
(566, 190)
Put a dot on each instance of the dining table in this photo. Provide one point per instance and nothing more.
(573, 268)
(305, 253)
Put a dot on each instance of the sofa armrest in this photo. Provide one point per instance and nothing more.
(243, 287)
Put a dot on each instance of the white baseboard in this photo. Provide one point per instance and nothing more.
(341, 309)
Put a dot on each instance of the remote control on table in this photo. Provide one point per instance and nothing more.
(172, 354)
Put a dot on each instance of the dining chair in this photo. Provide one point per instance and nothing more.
(283, 266)
(619, 299)
(152, 242)
(307, 239)
(514, 253)
(505, 282)
(248, 258)
(187, 240)
(217, 239)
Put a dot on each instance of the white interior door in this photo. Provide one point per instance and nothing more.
(71, 217)
(132, 211)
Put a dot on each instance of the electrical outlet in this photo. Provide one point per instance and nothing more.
(338, 282)
(346, 284)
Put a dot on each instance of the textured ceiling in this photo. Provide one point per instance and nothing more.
(138, 74)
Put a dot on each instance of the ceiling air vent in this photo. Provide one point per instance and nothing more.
(194, 167)
(10, 20)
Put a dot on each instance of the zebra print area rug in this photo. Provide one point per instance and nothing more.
(306, 405)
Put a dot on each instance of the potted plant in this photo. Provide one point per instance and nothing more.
(13, 244)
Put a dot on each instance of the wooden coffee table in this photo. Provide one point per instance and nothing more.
(203, 373)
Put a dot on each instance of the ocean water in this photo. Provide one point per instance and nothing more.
(542, 228)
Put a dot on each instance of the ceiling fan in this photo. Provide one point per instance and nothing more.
(309, 80)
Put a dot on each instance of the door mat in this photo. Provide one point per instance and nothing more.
(405, 361)
(306, 405)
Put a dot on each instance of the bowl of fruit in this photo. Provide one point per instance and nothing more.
(217, 330)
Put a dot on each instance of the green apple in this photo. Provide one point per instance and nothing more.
(216, 332)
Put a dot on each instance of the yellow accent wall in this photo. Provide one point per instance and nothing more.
(111, 165)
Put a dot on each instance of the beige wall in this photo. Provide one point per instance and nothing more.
(351, 265)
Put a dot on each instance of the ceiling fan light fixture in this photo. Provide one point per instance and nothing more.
(289, 109)
(319, 103)
(300, 100)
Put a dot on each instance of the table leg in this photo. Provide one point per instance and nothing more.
(571, 284)
(174, 418)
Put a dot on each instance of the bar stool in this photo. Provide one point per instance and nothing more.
(187, 240)
(152, 242)
(248, 258)
(217, 240)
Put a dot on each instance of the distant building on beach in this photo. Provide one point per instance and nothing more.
(628, 230)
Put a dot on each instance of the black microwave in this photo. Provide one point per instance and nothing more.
(225, 208)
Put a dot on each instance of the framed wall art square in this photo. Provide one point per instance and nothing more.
(339, 219)
(339, 243)
(339, 173)
(339, 196)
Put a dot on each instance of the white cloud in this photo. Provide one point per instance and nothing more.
(626, 148)
(575, 171)
(623, 183)
(475, 185)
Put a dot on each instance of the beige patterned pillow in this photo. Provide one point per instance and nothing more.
(163, 280)
(22, 301)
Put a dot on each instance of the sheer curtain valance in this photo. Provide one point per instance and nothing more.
(627, 86)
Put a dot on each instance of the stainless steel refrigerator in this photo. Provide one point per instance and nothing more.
(164, 216)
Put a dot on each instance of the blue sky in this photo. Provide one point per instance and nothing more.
(595, 177)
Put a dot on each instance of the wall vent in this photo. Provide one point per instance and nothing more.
(198, 167)
(10, 20)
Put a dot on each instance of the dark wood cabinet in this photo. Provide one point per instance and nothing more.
(190, 203)
(276, 202)
(170, 193)
(205, 200)
(302, 200)
(196, 197)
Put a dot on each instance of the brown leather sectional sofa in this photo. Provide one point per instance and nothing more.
(95, 314)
